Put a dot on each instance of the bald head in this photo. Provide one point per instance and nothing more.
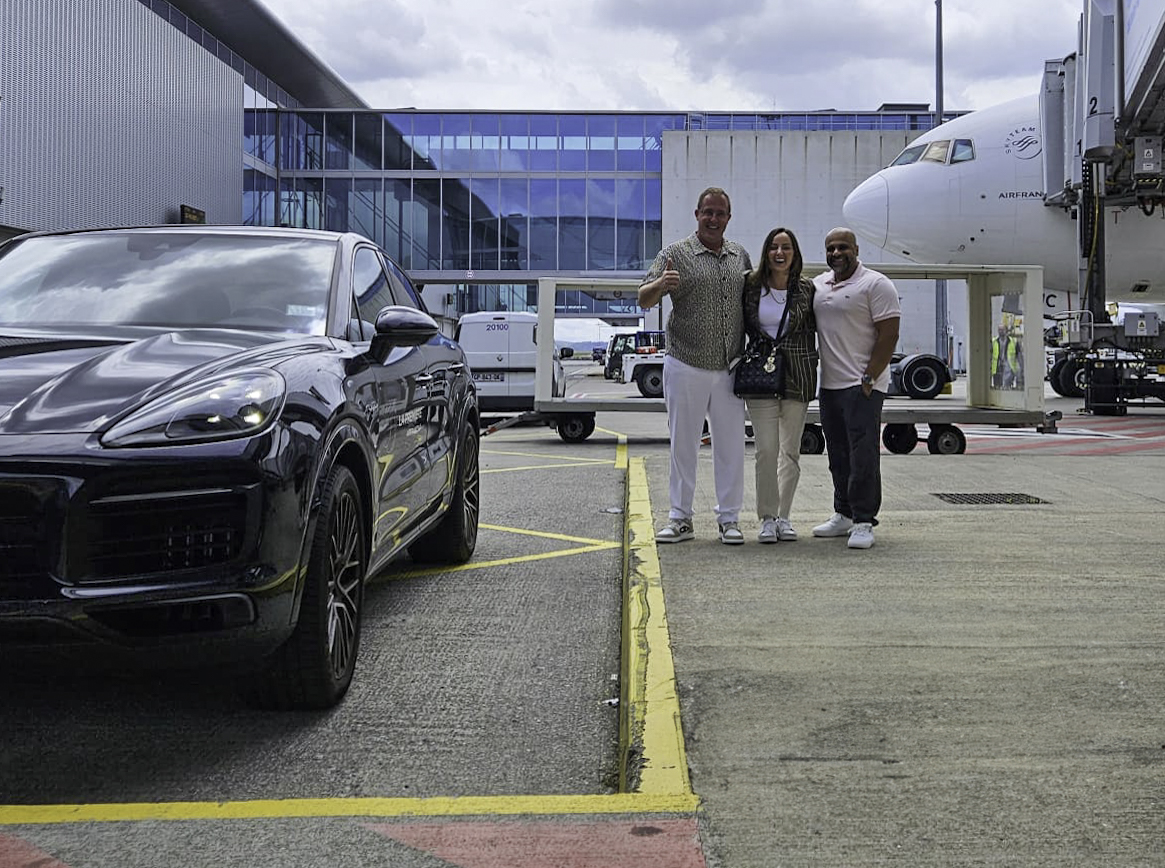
(841, 252)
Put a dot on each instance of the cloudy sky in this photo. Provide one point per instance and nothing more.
(722, 55)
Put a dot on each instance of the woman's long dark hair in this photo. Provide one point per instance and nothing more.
(760, 275)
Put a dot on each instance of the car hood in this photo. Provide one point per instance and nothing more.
(81, 382)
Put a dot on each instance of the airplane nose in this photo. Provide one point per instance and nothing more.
(866, 210)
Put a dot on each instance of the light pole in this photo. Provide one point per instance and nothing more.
(941, 314)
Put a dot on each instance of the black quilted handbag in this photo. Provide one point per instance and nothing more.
(761, 372)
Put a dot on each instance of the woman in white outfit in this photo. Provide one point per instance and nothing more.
(778, 306)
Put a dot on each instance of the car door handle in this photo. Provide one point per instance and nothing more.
(457, 367)
(424, 379)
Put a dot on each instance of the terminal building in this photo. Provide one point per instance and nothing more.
(129, 112)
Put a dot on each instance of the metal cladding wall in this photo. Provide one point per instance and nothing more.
(110, 116)
(798, 180)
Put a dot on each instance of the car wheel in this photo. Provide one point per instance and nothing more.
(454, 538)
(899, 438)
(314, 667)
(812, 440)
(924, 379)
(576, 428)
(946, 440)
(1054, 377)
(650, 382)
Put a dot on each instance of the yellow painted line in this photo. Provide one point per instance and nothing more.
(547, 535)
(589, 463)
(543, 455)
(480, 565)
(651, 736)
(623, 803)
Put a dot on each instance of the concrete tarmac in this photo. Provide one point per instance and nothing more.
(983, 686)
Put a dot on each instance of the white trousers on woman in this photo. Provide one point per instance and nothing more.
(693, 395)
(777, 424)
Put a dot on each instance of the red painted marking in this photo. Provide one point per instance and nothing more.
(555, 843)
(16, 853)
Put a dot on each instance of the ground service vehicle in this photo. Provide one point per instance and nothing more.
(627, 342)
(502, 350)
(210, 436)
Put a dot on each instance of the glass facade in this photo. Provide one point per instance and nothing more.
(491, 198)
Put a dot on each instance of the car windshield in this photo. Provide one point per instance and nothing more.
(178, 279)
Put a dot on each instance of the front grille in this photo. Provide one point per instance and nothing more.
(24, 539)
(164, 533)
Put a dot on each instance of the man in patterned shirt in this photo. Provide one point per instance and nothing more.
(704, 276)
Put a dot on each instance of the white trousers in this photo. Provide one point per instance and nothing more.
(693, 395)
(777, 424)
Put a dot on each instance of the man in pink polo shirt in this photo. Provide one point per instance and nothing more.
(857, 314)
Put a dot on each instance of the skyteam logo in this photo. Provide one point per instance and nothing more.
(1023, 143)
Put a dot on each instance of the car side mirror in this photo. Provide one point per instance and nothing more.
(401, 326)
(566, 353)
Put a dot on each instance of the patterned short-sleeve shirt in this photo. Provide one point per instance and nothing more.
(706, 325)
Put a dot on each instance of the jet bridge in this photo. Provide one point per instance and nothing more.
(1102, 115)
(997, 295)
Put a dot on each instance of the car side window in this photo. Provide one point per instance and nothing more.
(402, 288)
(370, 285)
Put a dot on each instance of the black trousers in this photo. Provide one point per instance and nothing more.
(851, 423)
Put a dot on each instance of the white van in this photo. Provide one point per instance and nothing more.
(501, 348)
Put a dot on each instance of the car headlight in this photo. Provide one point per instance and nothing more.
(237, 405)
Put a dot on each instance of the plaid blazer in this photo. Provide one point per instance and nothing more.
(799, 343)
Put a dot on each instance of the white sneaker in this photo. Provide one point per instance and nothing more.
(676, 530)
(730, 534)
(785, 530)
(862, 536)
(838, 525)
(769, 530)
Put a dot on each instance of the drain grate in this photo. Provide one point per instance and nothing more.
(978, 499)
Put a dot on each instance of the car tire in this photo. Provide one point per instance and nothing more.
(1072, 379)
(313, 669)
(576, 428)
(454, 538)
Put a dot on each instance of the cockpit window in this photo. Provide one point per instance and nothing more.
(908, 156)
(964, 151)
(936, 152)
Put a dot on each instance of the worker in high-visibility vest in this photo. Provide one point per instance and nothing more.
(1006, 360)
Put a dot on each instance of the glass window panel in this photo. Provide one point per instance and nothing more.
(337, 191)
(456, 140)
(601, 143)
(544, 223)
(259, 198)
(572, 151)
(572, 224)
(653, 218)
(485, 143)
(398, 146)
(398, 224)
(936, 152)
(543, 143)
(629, 193)
(455, 231)
(426, 141)
(601, 224)
(366, 208)
(515, 143)
(426, 222)
(369, 142)
(630, 144)
(514, 225)
(654, 126)
(303, 141)
(371, 287)
(301, 203)
(339, 142)
(484, 213)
